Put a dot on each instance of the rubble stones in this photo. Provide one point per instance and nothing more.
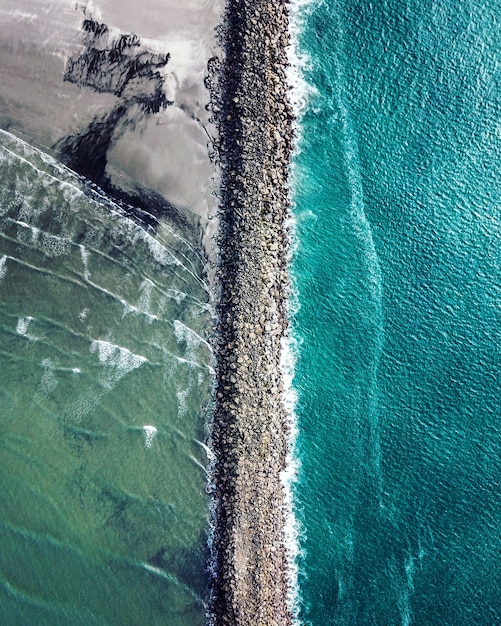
(249, 433)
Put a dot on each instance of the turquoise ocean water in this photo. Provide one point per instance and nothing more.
(398, 207)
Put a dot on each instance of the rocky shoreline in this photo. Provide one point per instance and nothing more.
(250, 428)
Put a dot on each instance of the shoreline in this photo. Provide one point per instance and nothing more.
(250, 430)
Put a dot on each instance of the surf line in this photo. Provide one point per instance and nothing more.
(250, 431)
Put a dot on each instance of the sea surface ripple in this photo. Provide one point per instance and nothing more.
(397, 270)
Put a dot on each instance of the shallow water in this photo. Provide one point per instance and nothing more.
(105, 376)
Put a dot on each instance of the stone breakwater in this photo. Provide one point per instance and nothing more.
(250, 428)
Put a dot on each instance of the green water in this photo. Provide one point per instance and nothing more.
(103, 331)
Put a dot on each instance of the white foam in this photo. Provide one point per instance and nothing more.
(301, 91)
(22, 16)
(127, 307)
(32, 208)
(34, 232)
(23, 325)
(158, 251)
(406, 591)
(193, 364)
(185, 333)
(199, 465)
(181, 395)
(51, 245)
(84, 254)
(155, 570)
(84, 405)
(210, 454)
(144, 301)
(49, 381)
(118, 361)
(89, 8)
(54, 246)
(82, 316)
(288, 476)
(176, 295)
(194, 355)
(163, 255)
(300, 96)
(3, 268)
(149, 434)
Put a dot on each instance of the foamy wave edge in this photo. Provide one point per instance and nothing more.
(300, 93)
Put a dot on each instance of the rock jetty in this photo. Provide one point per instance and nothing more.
(250, 428)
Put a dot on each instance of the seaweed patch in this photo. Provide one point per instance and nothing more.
(119, 65)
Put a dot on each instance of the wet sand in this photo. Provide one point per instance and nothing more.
(250, 429)
(166, 151)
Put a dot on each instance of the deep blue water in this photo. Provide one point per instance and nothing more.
(398, 204)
